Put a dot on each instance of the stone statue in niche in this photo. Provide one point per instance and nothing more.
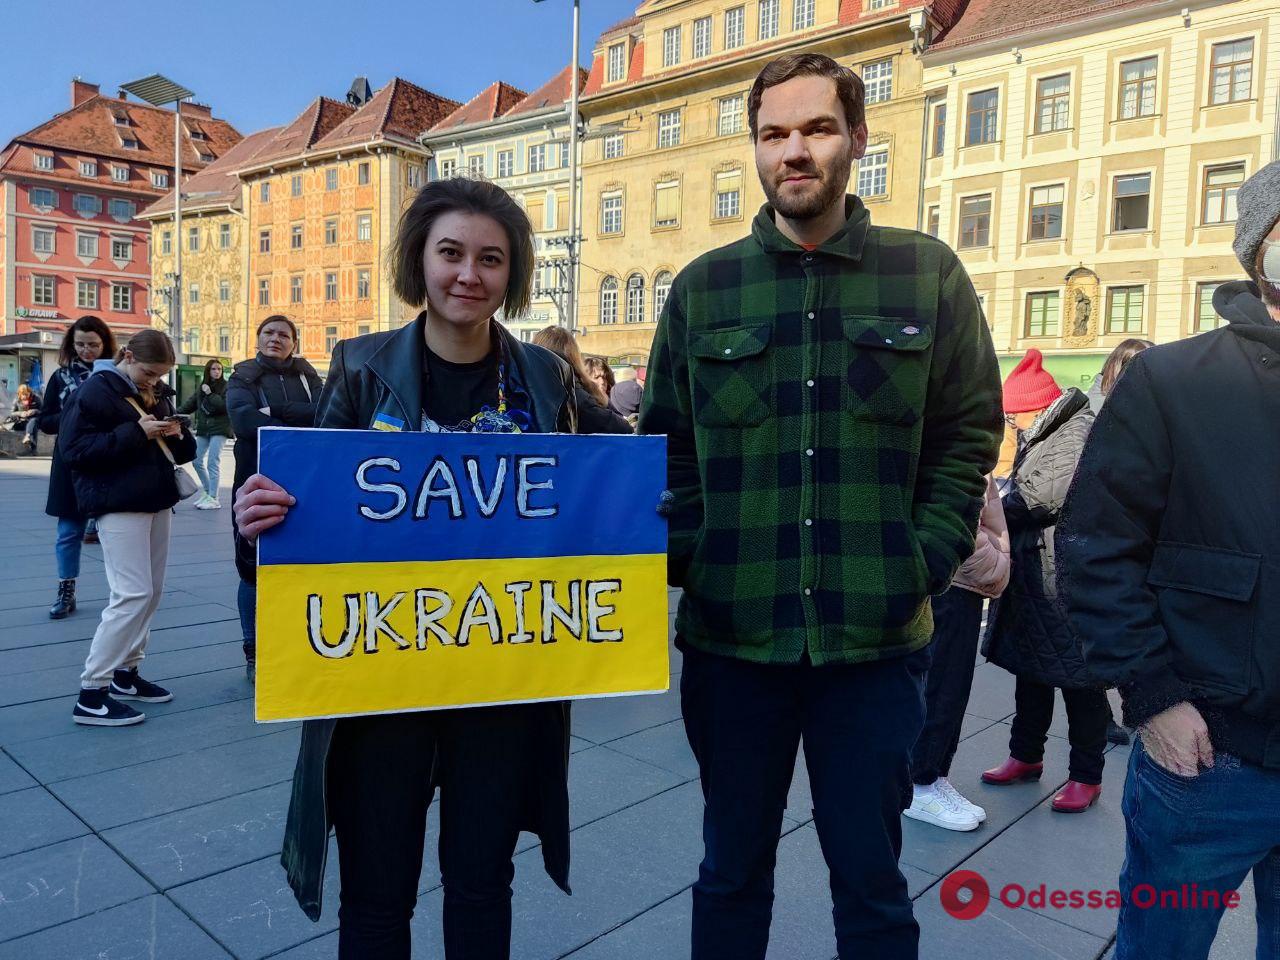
(1083, 312)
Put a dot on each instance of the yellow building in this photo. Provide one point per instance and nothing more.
(322, 200)
(668, 168)
(215, 258)
(1085, 164)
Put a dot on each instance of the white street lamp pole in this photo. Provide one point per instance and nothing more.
(175, 312)
(574, 231)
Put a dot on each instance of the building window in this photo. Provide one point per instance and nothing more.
(1220, 186)
(730, 120)
(331, 286)
(264, 191)
(768, 19)
(88, 168)
(44, 199)
(873, 174)
(363, 330)
(1046, 212)
(635, 298)
(448, 169)
(1043, 314)
(938, 137)
(224, 291)
(1132, 208)
(661, 290)
(121, 297)
(878, 79)
(475, 165)
(669, 128)
(1138, 88)
(330, 232)
(1232, 79)
(193, 239)
(87, 294)
(330, 339)
(735, 27)
(728, 195)
(87, 246)
(44, 161)
(159, 179)
(121, 209)
(537, 158)
(702, 37)
(506, 163)
(87, 206)
(413, 176)
(121, 249)
(42, 291)
(295, 289)
(617, 62)
(166, 243)
(1124, 310)
(193, 340)
(42, 239)
(363, 174)
(564, 155)
(1053, 103)
(295, 237)
(264, 292)
(264, 241)
(295, 185)
(1206, 317)
(933, 222)
(193, 293)
(802, 15)
(666, 204)
(224, 340)
(981, 122)
(671, 46)
(609, 300)
(119, 174)
(613, 146)
(611, 213)
(878, 4)
(975, 221)
(331, 178)
(364, 227)
(362, 284)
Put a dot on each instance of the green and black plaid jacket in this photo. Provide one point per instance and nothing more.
(831, 417)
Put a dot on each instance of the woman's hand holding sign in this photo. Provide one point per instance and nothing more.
(260, 505)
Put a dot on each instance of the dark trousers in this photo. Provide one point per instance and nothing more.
(957, 621)
(745, 722)
(1087, 714)
(380, 776)
(247, 604)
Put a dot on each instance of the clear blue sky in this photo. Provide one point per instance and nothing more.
(259, 62)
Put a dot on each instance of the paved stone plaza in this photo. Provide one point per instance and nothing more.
(161, 841)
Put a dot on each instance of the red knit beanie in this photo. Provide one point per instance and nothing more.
(1030, 387)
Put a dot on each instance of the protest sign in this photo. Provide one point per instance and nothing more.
(429, 570)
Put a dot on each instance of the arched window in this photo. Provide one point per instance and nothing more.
(661, 287)
(635, 298)
(609, 300)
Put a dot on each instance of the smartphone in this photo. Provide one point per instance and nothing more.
(181, 418)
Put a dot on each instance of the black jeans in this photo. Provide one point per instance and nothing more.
(380, 773)
(957, 621)
(745, 722)
(1087, 714)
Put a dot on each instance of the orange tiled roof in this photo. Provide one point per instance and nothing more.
(217, 184)
(991, 19)
(320, 117)
(400, 110)
(552, 93)
(489, 104)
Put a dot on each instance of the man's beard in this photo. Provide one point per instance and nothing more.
(1270, 293)
(834, 181)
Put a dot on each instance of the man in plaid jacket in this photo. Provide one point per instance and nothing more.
(832, 405)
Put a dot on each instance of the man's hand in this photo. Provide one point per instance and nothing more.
(260, 505)
(1178, 740)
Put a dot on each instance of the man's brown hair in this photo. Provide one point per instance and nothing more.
(849, 87)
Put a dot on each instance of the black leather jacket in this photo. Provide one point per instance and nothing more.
(384, 373)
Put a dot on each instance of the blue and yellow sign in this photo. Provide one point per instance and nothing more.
(427, 570)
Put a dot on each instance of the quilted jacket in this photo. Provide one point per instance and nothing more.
(1027, 630)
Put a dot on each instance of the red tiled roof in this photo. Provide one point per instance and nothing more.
(636, 70)
(619, 26)
(217, 184)
(401, 110)
(596, 78)
(991, 19)
(320, 117)
(552, 93)
(489, 104)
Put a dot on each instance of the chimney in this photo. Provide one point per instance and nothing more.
(82, 91)
(192, 109)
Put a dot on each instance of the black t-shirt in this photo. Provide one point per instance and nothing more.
(456, 392)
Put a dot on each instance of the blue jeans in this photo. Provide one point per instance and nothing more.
(66, 549)
(745, 722)
(210, 446)
(1210, 830)
(247, 602)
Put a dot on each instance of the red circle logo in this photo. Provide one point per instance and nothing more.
(965, 880)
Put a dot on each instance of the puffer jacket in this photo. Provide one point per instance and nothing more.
(1028, 632)
(986, 572)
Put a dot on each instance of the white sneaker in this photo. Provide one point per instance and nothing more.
(931, 805)
(959, 799)
(207, 502)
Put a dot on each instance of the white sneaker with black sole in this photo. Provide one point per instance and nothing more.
(95, 708)
(127, 685)
(959, 799)
(931, 805)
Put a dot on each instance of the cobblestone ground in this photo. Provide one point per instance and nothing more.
(161, 841)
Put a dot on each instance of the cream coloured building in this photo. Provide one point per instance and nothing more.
(1084, 164)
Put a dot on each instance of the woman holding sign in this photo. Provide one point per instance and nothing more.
(464, 251)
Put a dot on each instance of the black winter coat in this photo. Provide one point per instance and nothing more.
(383, 373)
(210, 411)
(63, 382)
(115, 468)
(594, 418)
(1027, 629)
(1169, 546)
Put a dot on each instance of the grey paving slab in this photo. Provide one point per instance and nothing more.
(992, 693)
(72, 653)
(603, 781)
(324, 947)
(1238, 933)
(1000, 933)
(33, 818)
(664, 746)
(12, 776)
(62, 882)
(150, 789)
(252, 911)
(972, 724)
(613, 717)
(148, 929)
(82, 628)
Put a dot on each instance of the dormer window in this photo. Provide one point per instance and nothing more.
(129, 143)
(43, 161)
(120, 174)
(120, 117)
(206, 157)
(88, 168)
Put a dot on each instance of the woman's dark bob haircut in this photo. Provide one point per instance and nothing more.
(86, 324)
(468, 196)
